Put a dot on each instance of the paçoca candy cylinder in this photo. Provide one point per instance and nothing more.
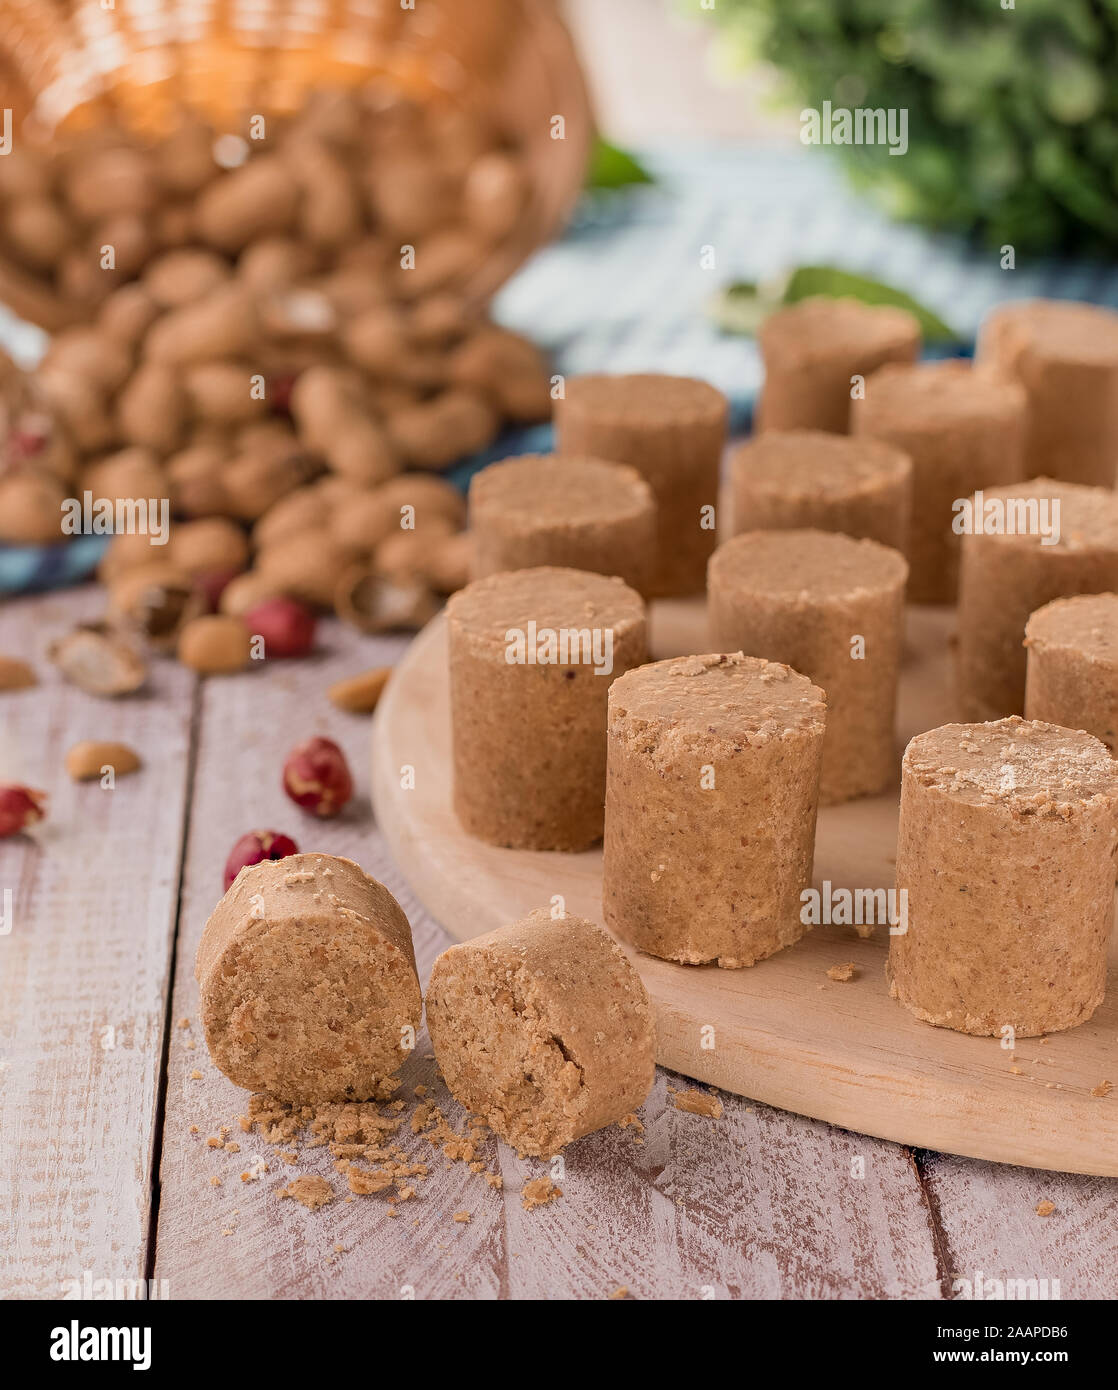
(1023, 546)
(1072, 672)
(543, 1028)
(532, 656)
(672, 430)
(809, 480)
(831, 607)
(308, 983)
(577, 513)
(963, 428)
(1065, 355)
(1006, 851)
(818, 354)
(711, 798)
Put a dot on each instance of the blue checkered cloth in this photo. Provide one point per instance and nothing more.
(626, 289)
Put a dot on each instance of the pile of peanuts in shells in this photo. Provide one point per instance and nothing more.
(280, 344)
(273, 335)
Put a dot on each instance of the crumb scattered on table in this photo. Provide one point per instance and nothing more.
(1104, 1088)
(1045, 1208)
(842, 973)
(538, 1192)
(698, 1103)
(312, 1191)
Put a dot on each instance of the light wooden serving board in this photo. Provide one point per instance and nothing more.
(783, 1032)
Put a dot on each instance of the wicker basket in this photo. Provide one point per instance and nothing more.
(72, 64)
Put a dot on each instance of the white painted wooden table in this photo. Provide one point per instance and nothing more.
(99, 1169)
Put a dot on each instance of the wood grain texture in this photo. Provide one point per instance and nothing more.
(782, 1031)
(85, 970)
(989, 1222)
(754, 1204)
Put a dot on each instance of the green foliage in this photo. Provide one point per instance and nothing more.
(611, 167)
(1013, 113)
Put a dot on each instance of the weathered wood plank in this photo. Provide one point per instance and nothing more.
(987, 1213)
(809, 1210)
(84, 972)
(276, 1248)
(755, 1204)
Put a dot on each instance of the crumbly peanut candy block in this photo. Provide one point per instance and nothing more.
(578, 513)
(794, 480)
(672, 429)
(1065, 355)
(308, 982)
(532, 655)
(544, 1028)
(1072, 676)
(964, 429)
(1005, 577)
(812, 350)
(831, 607)
(711, 797)
(1007, 845)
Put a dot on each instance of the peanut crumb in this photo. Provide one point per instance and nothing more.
(698, 1103)
(631, 1121)
(1104, 1088)
(195, 1075)
(842, 973)
(365, 1181)
(620, 1292)
(215, 1182)
(1045, 1208)
(312, 1191)
(462, 1216)
(538, 1192)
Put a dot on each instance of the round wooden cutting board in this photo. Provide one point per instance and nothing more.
(781, 1032)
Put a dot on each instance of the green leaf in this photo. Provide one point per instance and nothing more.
(740, 307)
(825, 279)
(611, 167)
